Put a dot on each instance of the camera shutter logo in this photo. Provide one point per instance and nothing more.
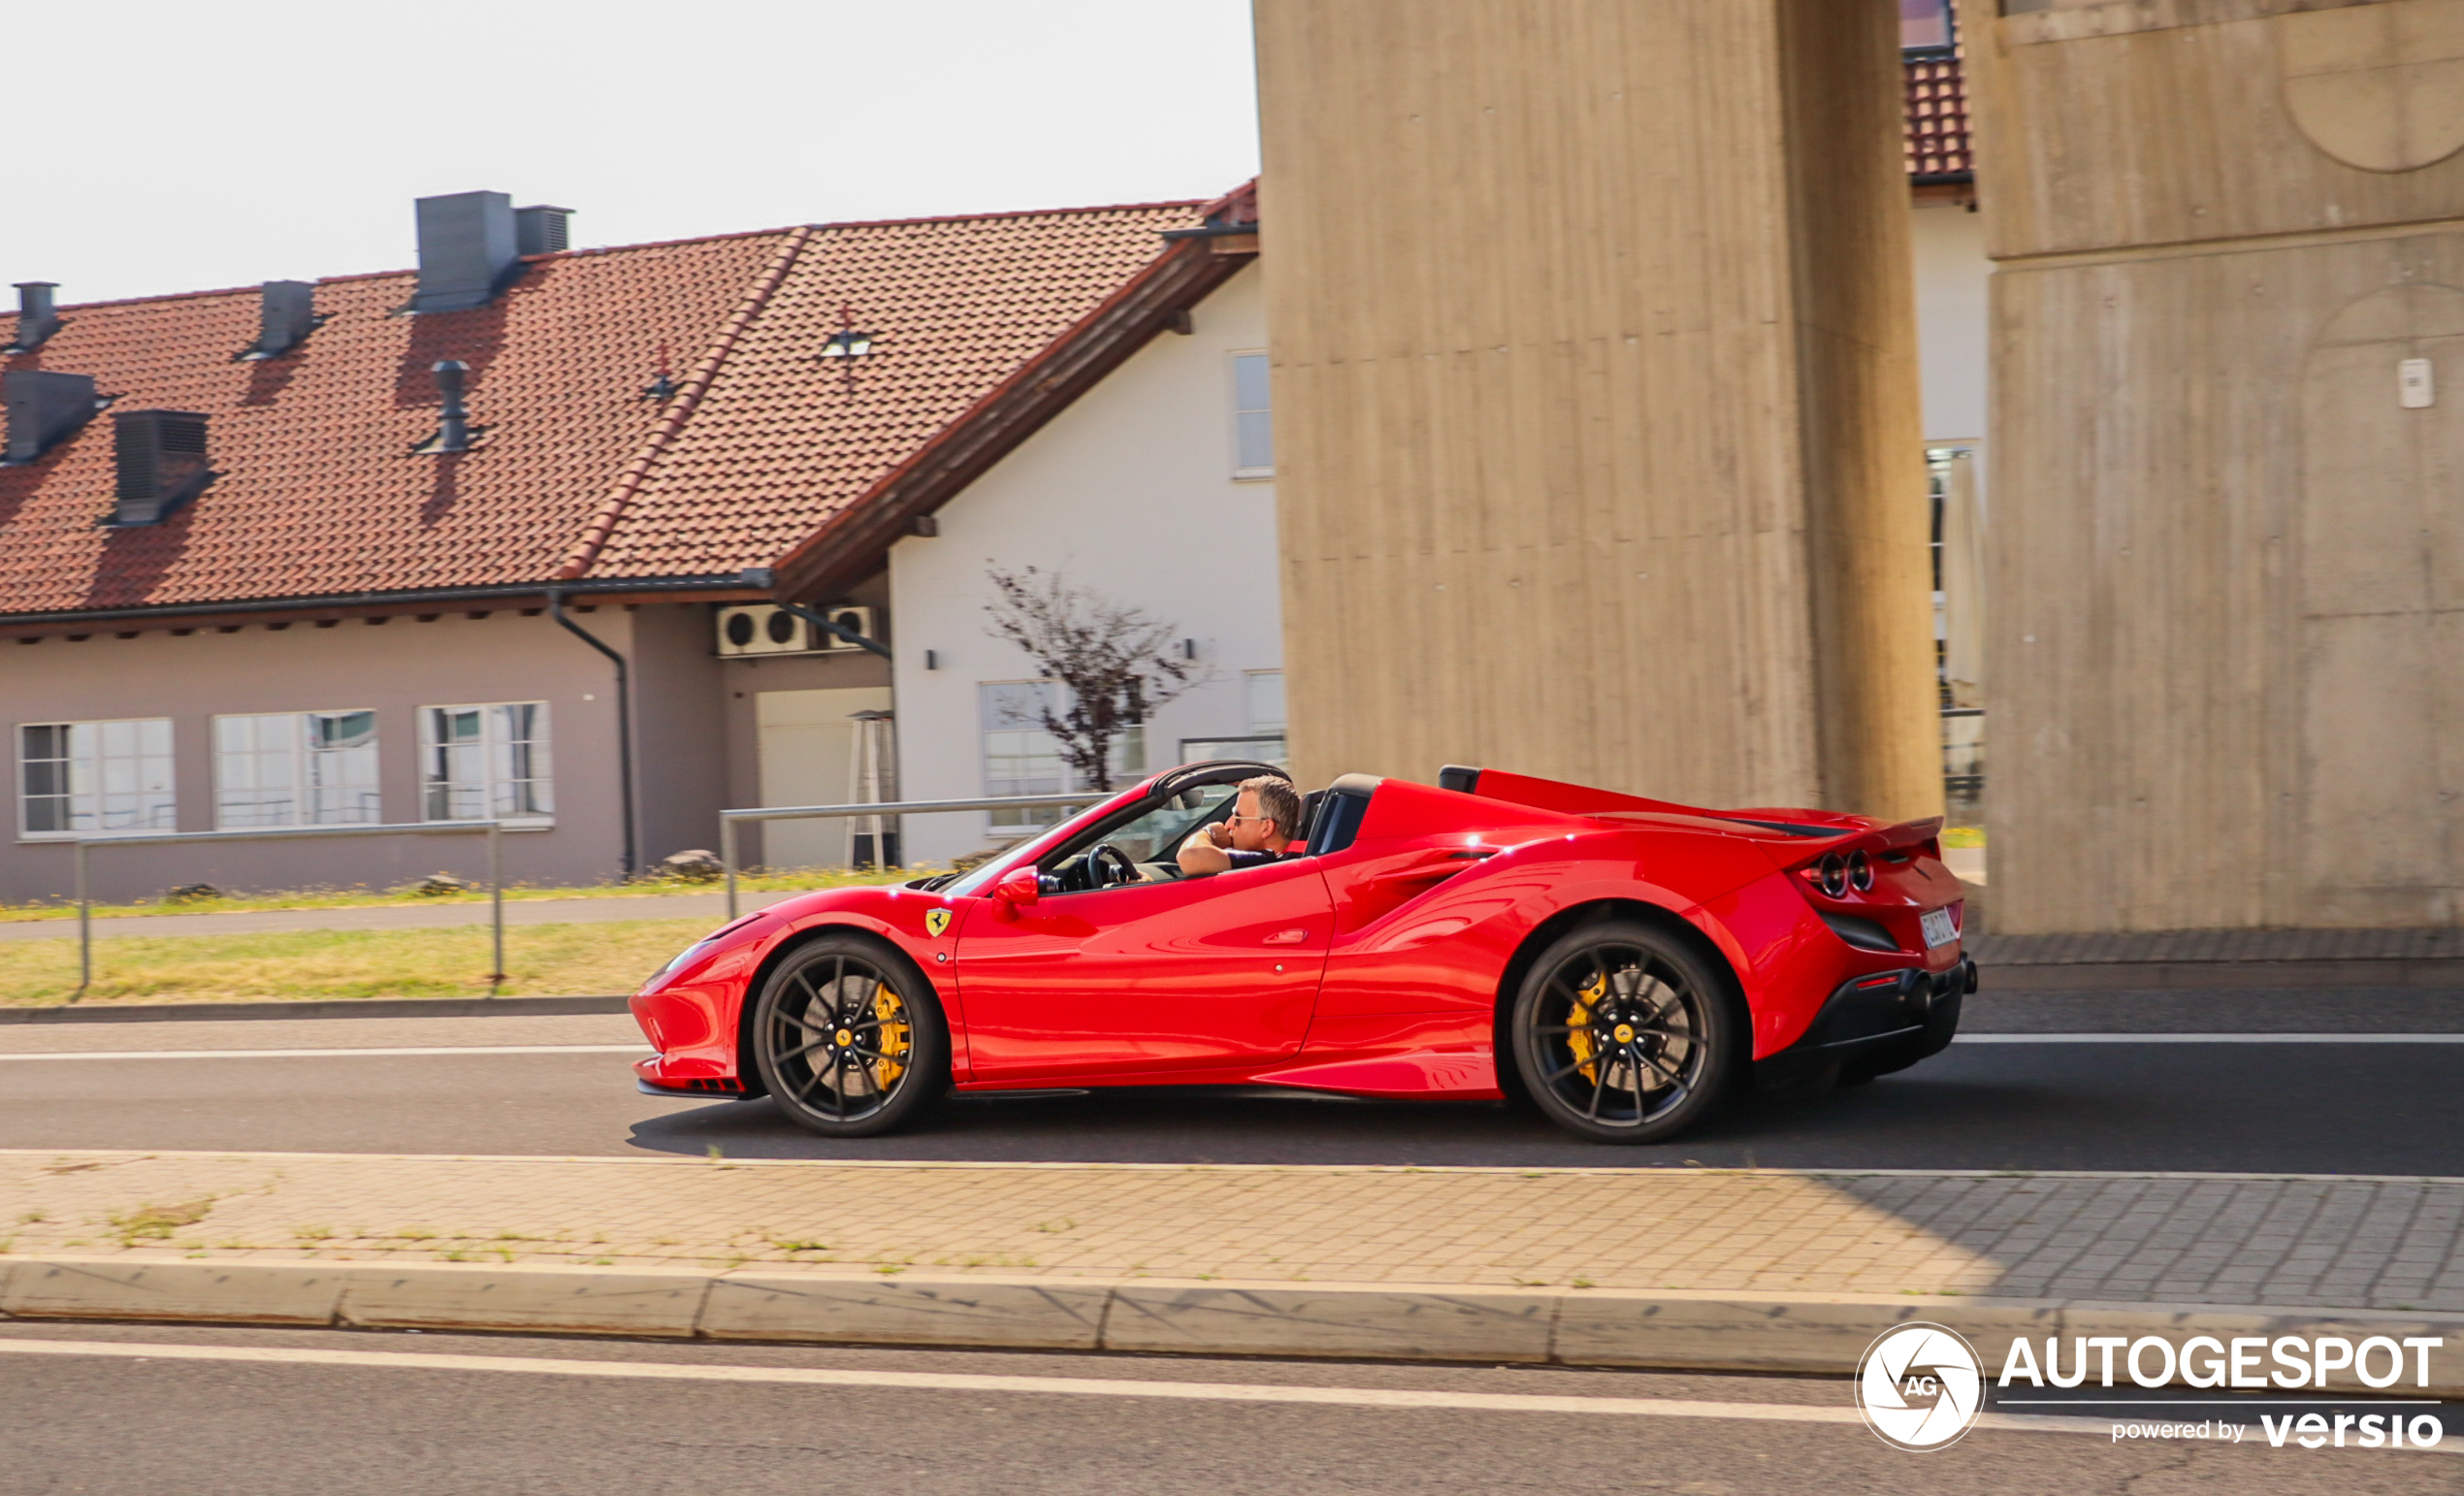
(1920, 1386)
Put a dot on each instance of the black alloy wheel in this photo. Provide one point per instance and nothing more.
(850, 1038)
(1623, 1034)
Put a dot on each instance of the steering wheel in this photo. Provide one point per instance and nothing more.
(1107, 866)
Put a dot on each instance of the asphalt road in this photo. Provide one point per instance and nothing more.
(273, 1412)
(2137, 1104)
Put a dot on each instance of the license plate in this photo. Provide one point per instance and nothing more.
(1940, 930)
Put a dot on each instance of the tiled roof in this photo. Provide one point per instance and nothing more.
(1936, 139)
(321, 493)
(787, 439)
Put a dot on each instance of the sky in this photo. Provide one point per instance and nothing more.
(190, 147)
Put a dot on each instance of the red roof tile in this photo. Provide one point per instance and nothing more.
(787, 439)
(1937, 138)
(321, 493)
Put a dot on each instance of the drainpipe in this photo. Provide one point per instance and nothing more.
(624, 719)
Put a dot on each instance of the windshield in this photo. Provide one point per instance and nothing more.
(1150, 835)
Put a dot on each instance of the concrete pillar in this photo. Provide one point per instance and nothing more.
(2226, 669)
(1598, 449)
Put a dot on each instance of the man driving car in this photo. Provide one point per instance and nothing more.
(1259, 830)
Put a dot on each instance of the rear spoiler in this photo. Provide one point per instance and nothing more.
(1572, 799)
(1584, 800)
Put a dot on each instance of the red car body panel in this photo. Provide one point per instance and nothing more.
(1376, 969)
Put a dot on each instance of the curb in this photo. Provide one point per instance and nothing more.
(1797, 1334)
(334, 1007)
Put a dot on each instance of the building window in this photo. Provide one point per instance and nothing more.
(80, 778)
(296, 768)
(1925, 25)
(1252, 418)
(1266, 702)
(1022, 757)
(486, 763)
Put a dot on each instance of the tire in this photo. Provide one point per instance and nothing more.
(812, 1024)
(1624, 1035)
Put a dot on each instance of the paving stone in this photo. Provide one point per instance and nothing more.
(2236, 1240)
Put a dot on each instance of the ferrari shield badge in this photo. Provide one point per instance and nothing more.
(936, 921)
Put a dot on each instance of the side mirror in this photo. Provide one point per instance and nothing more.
(1019, 886)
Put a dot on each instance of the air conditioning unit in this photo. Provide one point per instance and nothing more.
(857, 619)
(763, 629)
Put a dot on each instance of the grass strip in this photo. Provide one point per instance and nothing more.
(788, 881)
(317, 964)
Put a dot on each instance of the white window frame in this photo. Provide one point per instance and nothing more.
(1243, 472)
(304, 764)
(1129, 759)
(1258, 726)
(543, 748)
(161, 816)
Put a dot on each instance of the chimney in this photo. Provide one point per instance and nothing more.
(161, 456)
(542, 230)
(36, 319)
(43, 406)
(467, 252)
(453, 420)
(284, 318)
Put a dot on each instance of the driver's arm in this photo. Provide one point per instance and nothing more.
(1201, 855)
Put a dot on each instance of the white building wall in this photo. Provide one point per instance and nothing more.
(1952, 327)
(1129, 493)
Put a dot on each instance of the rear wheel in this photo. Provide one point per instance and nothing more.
(850, 1039)
(1623, 1034)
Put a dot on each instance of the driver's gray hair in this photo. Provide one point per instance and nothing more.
(1277, 802)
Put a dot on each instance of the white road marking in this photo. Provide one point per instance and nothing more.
(2210, 1038)
(957, 1382)
(438, 1049)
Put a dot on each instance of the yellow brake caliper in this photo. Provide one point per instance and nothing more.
(1578, 1022)
(894, 1037)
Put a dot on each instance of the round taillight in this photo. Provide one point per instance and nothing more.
(1833, 873)
(1859, 871)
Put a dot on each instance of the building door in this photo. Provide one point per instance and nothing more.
(807, 741)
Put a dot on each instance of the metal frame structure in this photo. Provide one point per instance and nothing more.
(729, 820)
(495, 875)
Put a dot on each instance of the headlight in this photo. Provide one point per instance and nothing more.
(683, 957)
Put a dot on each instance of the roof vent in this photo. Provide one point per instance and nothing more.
(43, 406)
(161, 456)
(467, 251)
(542, 230)
(284, 318)
(36, 317)
(453, 418)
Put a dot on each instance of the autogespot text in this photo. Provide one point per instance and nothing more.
(2284, 1363)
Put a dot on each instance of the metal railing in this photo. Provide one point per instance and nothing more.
(495, 831)
(730, 820)
(1962, 751)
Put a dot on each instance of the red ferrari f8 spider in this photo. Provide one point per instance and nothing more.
(1620, 964)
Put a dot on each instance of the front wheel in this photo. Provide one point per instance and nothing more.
(1623, 1034)
(850, 1039)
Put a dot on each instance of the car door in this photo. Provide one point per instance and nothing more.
(1187, 974)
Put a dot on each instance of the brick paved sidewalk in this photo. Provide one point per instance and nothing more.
(2278, 1241)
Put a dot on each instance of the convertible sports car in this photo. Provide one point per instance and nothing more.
(1620, 964)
